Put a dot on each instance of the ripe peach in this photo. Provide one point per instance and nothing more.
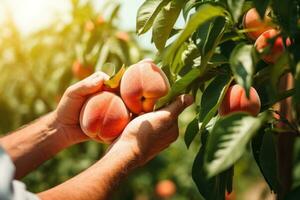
(100, 20)
(230, 196)
(235, 100)
(142, 85)
(80, 71)
(278, 48)
(104, 116)
(89, 26)
(257, 25)
(123, 36)
(165, 189)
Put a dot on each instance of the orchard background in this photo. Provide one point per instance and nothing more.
(247, 156)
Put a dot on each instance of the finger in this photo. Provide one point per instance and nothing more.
(88, 85)
(179, 105)
(173, 133)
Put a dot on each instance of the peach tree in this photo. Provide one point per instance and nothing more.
(211, 53)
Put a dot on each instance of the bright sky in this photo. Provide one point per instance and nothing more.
(30, 15)
(33, 14)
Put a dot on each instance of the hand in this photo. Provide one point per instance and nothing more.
(66, 115)
(149, 134)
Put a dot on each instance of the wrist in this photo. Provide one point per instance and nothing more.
(125, 153)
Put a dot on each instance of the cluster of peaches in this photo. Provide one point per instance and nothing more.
(105, 114)
(261, 32)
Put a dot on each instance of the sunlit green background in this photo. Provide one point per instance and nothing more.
(39, 41)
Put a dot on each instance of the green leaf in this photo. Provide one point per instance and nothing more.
(178, 87)
(264, 152)
(146, 14)
(205, 12)
(242, 65)
(261, 6)
(218, 59)
(103, 56)
(114, 81)
(164, 22)
(235, 7)
(114, 13)
(281, 96)
(189, 5)
(228, 139)
(177, 63)
(212, 97)
(216, 28)
(287, 14)
(191, 131)
(205, 186)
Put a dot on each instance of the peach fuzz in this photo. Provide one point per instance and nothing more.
(255, 24)
(263, 41)
(142, 85)
(104, 116)
(236, 100)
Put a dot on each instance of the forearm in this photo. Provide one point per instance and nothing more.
(98, 181)
(34, 143)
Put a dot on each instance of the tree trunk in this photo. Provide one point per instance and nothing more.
(285, 141)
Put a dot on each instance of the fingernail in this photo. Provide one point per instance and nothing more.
(97, 78)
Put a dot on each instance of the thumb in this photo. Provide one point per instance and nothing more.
(88, 85)
(181, 102)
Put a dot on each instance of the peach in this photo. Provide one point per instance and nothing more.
(100, 20)
(89, 26)
(235, 100)
(104, 116)
(123, 36)
(80, 71)
(165, 189)
(142, 85)
(263, 41)
(257, 26)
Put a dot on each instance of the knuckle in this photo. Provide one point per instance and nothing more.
(69, 90)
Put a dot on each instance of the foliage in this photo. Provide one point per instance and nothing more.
(36, 69)
(208, 54)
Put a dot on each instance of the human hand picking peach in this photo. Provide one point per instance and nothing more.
(67, 113)
(149, 134)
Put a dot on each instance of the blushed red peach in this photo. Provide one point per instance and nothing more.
(263, 41)
(142, 85)
(123, 36)
(80, 71)
(235, 100)
(255, 24)
(104, 116)
(165, 189)
(100, 20)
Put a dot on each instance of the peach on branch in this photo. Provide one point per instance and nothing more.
(165, 189)
(80, 71)
(264, 41)
(142, 85)
(255, 24)
(235, 100)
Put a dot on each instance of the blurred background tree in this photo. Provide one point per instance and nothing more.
(36, 69)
